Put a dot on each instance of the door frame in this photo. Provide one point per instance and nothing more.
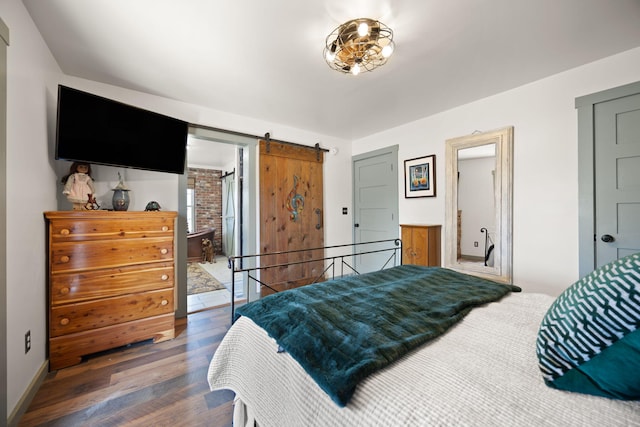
(4, 43)
(249, 209)
(586, 171)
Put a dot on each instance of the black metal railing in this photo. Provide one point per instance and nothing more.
(345, 258)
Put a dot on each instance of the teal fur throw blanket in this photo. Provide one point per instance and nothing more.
(345, 329)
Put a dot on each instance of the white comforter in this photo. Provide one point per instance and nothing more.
(483, 372)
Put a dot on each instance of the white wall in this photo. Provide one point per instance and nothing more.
(33, 180)
(144, 185)
(545, 163)
(31, 76)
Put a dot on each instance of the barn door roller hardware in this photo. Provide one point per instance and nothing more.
(267, 139)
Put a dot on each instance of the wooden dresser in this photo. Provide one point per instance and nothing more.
(111, 281)
(421, 244)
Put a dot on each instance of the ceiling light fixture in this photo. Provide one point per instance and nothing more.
(358, 45)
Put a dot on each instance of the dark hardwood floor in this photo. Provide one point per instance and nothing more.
(144, 384)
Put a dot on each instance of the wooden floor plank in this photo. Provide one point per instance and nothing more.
(162, 384)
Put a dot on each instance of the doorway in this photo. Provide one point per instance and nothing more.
(214, 213)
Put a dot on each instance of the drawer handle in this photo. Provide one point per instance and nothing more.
(64, 321)
(64, 259)
(165, 228)
(164, 302)
(64, 291)
(65, 231)
(164, 251)
(165, 277)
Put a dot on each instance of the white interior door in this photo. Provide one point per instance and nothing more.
(617, 178)
(229, 214)
(375, 204)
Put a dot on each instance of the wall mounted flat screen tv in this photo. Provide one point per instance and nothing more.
(98, 130)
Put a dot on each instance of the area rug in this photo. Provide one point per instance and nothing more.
(199, 280)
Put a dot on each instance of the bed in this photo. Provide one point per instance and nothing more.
(483, 370)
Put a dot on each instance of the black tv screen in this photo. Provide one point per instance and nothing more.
(94, 129)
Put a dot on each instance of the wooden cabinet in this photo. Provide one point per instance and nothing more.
(111, 281)
(421, 244)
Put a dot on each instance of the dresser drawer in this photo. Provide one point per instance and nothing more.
(67, 350)
(84, 316)
(72, 229)
(76, 287)
(72, 256)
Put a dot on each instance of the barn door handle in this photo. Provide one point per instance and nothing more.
(607, 238)
(319, 224)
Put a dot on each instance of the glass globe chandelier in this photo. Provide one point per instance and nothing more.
(358, 45)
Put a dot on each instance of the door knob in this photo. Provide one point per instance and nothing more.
(607, 238)
(356, 225)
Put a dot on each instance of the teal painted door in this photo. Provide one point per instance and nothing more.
(617, 178)
(375, 206)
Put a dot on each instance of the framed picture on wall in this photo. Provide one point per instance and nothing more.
(420, 177)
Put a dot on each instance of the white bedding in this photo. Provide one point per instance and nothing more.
(483, 372)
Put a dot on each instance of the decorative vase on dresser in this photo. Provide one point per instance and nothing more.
(120, 199)
(111, 281)
(421, 244)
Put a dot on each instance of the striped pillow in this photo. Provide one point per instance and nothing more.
(589, 340)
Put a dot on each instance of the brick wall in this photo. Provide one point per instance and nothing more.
(208, 194)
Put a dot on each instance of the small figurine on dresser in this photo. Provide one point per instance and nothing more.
(78, 185)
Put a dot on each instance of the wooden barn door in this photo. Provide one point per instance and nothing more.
(291, 213)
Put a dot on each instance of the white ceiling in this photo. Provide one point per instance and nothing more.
(263, 59)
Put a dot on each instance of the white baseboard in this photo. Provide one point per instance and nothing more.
(28, 395)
